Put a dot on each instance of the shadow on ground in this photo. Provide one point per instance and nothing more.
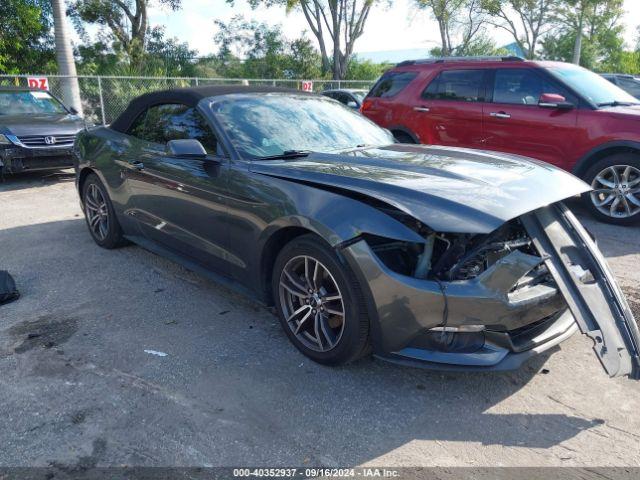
(231, 390)
(21, 181)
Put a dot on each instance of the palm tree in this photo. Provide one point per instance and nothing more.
(64, 56)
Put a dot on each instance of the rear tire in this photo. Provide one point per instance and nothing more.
(99, 214)
(616, 183)
(308, 277)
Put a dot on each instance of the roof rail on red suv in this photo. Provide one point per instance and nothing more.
(460, 59)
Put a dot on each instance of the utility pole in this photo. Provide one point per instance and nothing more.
(64, 57)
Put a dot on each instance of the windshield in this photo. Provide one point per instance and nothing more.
(17, 103)
(593, 87)
(267, 125)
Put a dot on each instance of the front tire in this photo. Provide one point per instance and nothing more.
(616, 189)
(100, 215)
(319, 302)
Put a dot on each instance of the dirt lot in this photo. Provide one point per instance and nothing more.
(78, 389)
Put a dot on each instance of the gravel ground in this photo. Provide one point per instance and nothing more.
(78, 389)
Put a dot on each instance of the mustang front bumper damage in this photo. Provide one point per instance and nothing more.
(496, 321)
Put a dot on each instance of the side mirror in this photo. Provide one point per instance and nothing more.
(553, 100)
(73, 111)
(352, 104)
(186, 148)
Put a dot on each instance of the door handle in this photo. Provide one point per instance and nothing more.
(421, 109)
(500, 115)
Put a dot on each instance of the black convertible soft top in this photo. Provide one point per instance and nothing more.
(186, 96)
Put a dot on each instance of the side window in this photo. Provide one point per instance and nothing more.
(137, 129)
(523, 86)
(152, 130)
(166, 122)
(431, 92)
(392, 83)
(460, 85)
(343, 98)
(186, 122)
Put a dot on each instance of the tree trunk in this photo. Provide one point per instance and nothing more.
(577, 46)
(326, 64)
(314, 20)
(64, 57)
(336, 64)
(443, 38)
(336, 50)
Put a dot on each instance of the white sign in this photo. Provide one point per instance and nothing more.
(41, 83)
(40, 95)
(307, 86)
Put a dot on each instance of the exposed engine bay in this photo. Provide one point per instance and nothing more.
(450, 257)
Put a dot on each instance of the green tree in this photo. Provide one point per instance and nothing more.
(336, 22)
(99, 58)
(527, 21)
(173, 57)
(481, 45)
(249, 49)
(626, 62)
(126, 20)
(305, 60)
(461, 24)
(365, 69)
(589, 33)
(164, 57)
(26, 43)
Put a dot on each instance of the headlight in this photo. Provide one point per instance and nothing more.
(4, 140)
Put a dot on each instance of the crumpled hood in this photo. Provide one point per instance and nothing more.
(33, 124)
(449, 189)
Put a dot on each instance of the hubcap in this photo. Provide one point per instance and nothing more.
(616, 191)
(312, 303)
(97, 212)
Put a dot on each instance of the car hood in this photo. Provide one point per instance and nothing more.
(449, 189)
(40, 124)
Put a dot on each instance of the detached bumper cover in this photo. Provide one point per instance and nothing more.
(593, 295)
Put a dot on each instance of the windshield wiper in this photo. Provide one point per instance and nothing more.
(287, 154)
(616, 103)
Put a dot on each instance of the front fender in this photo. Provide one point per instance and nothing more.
(339, 219)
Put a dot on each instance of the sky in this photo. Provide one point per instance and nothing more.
(402, 26)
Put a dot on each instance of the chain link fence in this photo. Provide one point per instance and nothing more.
(105, 97)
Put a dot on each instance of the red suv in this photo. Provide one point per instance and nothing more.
(556, 112)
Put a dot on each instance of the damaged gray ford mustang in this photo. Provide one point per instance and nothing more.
(430, 256)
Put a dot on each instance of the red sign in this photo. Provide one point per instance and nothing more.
(307, 86)
(41, 83)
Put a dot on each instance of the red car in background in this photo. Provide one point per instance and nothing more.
(556, 112)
